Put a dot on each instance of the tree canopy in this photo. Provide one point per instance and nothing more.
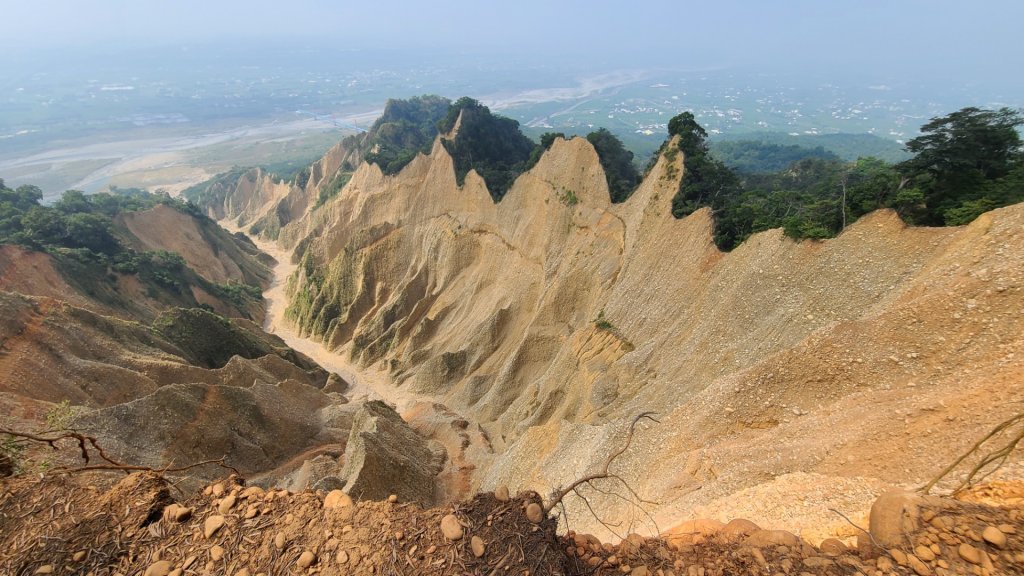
(619, 171)
(406, 128)
(752, 156)
(488, 143)
(964, 164)
(79, 232)
(960, 163)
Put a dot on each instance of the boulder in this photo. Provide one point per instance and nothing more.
(895, 514)
(764, 538)
(337, 384)
(739, 527)
(385, 456)
(693, 531)
(328, 483)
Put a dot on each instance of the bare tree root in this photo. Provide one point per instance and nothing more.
(603, 472)
(87, 444)
(997, 457)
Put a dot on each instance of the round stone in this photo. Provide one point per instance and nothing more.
(478, 546)
(337, 499)
(212, 525)
(306, 559)
(501, 494)
(994, 536)
(970, 553)
(451, 528)
(534, 513)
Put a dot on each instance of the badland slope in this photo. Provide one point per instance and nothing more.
(830, 368)
(159, 257)
(207, 248)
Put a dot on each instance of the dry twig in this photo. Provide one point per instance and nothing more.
(558, 495)
(997, 456)
(86, 442)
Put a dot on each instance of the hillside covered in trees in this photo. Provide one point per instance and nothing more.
(964, 164)
(477, 139)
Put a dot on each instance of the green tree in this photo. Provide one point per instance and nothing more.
(692, 137)
(44, 226)
(72, 202)
(24, 198)
(547, 139)
(957, 159)
(488, 143)
(753, 156)
(91, 231)
(706, 181)
(620, 173)
(406, 128)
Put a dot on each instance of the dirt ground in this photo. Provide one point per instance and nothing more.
(60, 524)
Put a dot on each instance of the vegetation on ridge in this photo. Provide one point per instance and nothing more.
(965, 163)
(846, 146)
(488, 143)
(619, 170)
(751, 156)
(405, 129)
(210, 341)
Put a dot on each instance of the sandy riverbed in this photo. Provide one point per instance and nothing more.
(367, 383)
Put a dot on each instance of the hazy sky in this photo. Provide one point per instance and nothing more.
(946, 37)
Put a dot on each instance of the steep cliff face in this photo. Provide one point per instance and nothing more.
(553, 316)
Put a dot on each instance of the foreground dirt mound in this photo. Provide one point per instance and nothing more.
(229, 529)
(64, 525)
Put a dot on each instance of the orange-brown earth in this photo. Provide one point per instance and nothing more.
(137, 527)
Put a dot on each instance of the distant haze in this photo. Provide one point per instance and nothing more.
(965, 41)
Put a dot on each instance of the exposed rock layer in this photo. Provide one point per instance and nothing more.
(384, 456)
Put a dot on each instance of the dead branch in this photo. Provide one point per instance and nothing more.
(86, 442)
(999, 455)
(558, 495)
(636, 501)
(868, 532)
(132, 468)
